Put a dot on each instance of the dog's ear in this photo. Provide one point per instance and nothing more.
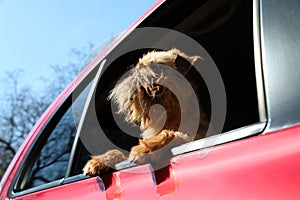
(183, 62)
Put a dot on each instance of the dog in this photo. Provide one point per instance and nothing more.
(143, 100)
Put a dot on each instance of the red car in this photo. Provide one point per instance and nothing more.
(249, 92)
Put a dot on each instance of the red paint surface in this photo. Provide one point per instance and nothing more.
(261, 167)
(125, 184)
(90, 189)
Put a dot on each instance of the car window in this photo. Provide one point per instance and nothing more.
(226, 30)
(227, 38)
(225, 34)
(54, 156)
(49, 158)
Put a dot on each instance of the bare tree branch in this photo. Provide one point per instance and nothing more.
(21, 106)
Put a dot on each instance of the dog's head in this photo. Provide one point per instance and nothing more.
(136, 94)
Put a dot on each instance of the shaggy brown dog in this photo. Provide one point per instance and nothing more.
(137, 97)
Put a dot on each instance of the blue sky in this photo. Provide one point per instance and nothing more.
(35, 34)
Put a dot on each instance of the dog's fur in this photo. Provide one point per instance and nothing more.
(135, 96)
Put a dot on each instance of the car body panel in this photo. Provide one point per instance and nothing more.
(91, 188)
(125, 184)
(260, 167)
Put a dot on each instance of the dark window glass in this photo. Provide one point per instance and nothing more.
(50, 156)
(53, 159)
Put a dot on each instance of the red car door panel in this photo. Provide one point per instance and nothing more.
(260, 167)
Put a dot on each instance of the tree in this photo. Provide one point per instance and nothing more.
(18, 116)
(21, 107)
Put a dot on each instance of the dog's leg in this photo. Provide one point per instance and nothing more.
(152, 149)
(98, 165)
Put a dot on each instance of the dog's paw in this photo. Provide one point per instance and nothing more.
(139, 154)
(151, 149)
(95, 167)
(98, 165)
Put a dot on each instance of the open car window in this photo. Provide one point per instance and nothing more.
(224, 33)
